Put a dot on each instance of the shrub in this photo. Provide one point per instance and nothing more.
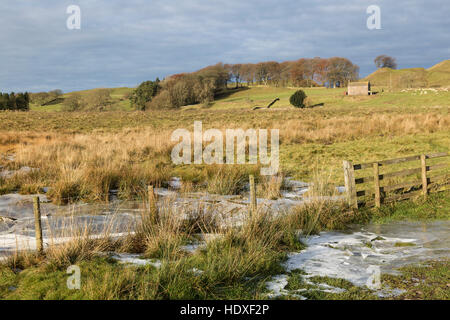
(144, 94)
(298, 98)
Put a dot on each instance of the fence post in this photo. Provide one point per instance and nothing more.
(376, 176)
(253, 201)
(152, 204)
(38, 224)
(424, 175)
(350, 186)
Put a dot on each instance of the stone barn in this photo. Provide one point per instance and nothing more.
(359, 88)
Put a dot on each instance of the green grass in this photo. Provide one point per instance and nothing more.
(313, 288)
(436, 207)
(427, 281)
(105, 279)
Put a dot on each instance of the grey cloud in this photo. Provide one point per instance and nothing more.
(125, 42)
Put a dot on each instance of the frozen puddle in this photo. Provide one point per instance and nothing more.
(17, 219)
(135, 260)
(354, 255)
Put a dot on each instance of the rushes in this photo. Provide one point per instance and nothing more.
(321, 210)
(88, 167)
(227, 180)
(270, 187)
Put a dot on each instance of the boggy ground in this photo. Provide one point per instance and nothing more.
(193, 258)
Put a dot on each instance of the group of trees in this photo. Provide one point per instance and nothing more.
(181, 89)
(204, 85)
(15, 101)
(317, 71)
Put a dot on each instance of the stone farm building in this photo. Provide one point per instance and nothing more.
(361, 88)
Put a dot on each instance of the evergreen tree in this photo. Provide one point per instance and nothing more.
(144, 94)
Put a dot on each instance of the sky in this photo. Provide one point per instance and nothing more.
(122, 43)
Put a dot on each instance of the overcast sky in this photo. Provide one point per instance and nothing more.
(122, 43)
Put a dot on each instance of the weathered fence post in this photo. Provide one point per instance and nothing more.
(152, 205)
(350, 186)
(424, 175)
(38, 224)
(376, 177)
(253, 203)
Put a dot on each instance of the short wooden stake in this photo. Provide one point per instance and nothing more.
(38, 224)
(424, 175)
(152, 204)
(253, 203)
(350, 186)
(376, 176)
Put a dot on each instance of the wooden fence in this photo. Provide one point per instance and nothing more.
(379, 188)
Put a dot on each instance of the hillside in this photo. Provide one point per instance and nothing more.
(435, 77)
(119, 100)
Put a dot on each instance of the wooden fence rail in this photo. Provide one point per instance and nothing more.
(379, 194)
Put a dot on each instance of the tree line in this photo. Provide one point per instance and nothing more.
(204, 85)
(15, 101)
(331, 72)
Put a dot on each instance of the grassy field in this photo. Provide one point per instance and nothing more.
(86, 154)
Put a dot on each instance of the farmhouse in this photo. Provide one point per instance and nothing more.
(359, 88)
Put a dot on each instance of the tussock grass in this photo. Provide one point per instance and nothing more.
(228, 180)
(270, 187)
(322, 210)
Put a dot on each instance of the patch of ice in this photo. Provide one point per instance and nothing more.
(276, 286)
(136, 260)
(349, 256)
(22, 170)
(175, 183)
(197, 272)
(193, 247)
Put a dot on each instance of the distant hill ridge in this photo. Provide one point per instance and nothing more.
(434, 77)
